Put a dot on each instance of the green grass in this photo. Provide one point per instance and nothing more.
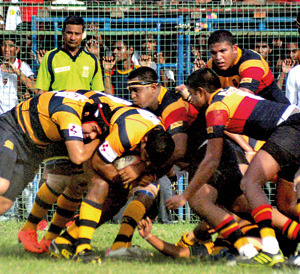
(13, 258)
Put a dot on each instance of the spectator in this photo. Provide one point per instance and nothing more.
(291, 59)
(70, 66)
(264, 48)
(14, 74)
(150, 57)
(293, 81)
(118, 66)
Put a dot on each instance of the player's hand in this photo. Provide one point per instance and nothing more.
(108, 63)
(145, 60)
(129, 173)
(144, 227)
(147, 179)
(176, 202)
(183, 91)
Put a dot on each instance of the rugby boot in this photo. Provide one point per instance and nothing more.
(29, 240)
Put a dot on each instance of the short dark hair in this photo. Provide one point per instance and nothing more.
(205, 78)
(11, 37)
(220, 36)
(74, 20)
(160, 146)
(145, 74)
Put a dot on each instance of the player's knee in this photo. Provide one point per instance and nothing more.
(5, 205)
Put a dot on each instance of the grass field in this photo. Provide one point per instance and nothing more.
(13, 258)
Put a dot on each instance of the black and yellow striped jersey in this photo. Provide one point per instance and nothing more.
(128, 126)
(52, 117)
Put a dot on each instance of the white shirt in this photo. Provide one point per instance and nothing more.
(8, 86)
(13, 17)
(293, 86)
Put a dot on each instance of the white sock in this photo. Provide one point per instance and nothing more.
(248, 251)
(270, 245)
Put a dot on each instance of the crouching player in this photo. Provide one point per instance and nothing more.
(238, 112)
(131, 130)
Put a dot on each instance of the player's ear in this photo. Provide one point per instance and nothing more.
(201, 90)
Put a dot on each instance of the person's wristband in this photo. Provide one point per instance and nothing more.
(107, 73)
(250, 152)
(148, 236)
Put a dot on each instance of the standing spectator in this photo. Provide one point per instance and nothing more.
(292, 59)
(293, 81)
(13, 74)
(118, 67)
(151, 58)
(70, 66)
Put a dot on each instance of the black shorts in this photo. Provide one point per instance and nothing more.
(284, 143)
(19, 158)
(226, 179)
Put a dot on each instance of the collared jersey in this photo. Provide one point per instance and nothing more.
(52, 116)
(175, 113)
(60, 70)
(127, 128)
(250, 71)
(240, 112)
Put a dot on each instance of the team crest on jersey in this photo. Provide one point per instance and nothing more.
(107, 152)
(246, 80)
(75, 131)
(85, 71)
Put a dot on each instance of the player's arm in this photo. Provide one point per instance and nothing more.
(79, 152)
(204, 172)
(241, 142)
(145, 227)
(106, 170)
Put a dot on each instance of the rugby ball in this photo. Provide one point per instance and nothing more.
(125, 161)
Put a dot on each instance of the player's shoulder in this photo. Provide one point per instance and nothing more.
(248, 54)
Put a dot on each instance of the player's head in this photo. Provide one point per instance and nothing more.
(10, 46)
(143, 86)
(223, 49)
(157, 147)
(97, 116)
(72, 31)
(200, 82)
